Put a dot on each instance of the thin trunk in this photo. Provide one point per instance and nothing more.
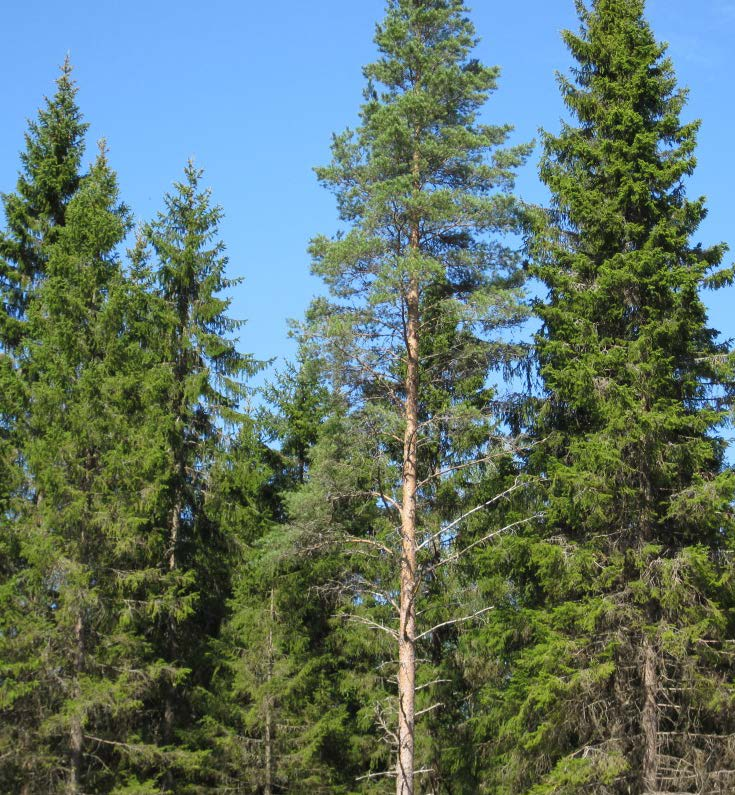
(169, 707)
(76, 735)
(269, 758)
(407, 617)
(407, 612)
(649, 719)
(174, 539)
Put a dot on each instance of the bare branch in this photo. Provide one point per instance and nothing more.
(428, 709)
(469, 513)
(457, 555)
(452, 621)
(369, 623)
(369, 542)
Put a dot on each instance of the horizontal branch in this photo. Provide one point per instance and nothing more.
(428, 709)
(392, 774)
(369, 623)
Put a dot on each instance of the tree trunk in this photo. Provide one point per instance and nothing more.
(649, 719)
(407, 604)
(76, 735)
(169, 707)
(269, 704)
(407, 622)
(174, 539)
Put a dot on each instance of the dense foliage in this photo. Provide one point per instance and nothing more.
(427, 557)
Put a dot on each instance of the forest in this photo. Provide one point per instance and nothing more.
(476, 538)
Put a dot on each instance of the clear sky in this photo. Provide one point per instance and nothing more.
(254, 90)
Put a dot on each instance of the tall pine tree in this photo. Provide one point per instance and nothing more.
(420, 285)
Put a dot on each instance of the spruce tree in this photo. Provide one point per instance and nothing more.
(420, 285)
(60, 652)
(50, 175)
(201, 397)
(34, 214)
(614, 651)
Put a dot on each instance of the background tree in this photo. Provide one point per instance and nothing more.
(202, 399)
(615, 644)
(279, 715)
(419, 292)
(51, 170)
(49, 177)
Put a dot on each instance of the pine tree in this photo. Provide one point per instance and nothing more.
(419, 290)
(614, 650)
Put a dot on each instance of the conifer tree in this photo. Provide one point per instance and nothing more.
(614, 651)
(34, 214)
(59, 643)
(201, 397)
(278, 717)
(50, 175)
(418, 292)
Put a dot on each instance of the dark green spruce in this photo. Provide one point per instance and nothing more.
(51, 169)
(615, 646)
(201, 398)
(49, 177)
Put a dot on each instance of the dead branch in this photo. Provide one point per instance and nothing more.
(469, 513)
(462, 620)
(457, 555)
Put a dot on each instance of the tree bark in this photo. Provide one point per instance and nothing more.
(407, 604)
(76, 735)
(407, 612)
(649, 718)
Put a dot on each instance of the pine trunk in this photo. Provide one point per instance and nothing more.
(649, 719)
(407, 627)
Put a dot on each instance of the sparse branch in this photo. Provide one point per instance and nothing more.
(369, 542)
(452, 621)
(460, 553)
(369, 623)
(448, 528)
(429, 709)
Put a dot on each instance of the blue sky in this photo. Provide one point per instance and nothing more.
(253, 91)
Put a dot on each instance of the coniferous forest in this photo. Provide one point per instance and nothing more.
(477, 537)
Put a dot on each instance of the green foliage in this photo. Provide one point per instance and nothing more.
(49, 178)
(199, 598)
(638, 503)
(424, 191)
